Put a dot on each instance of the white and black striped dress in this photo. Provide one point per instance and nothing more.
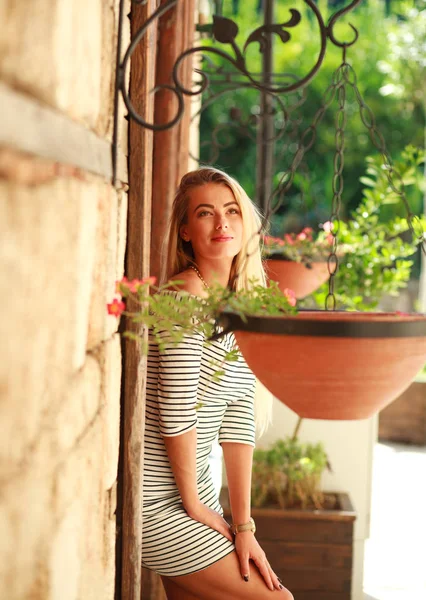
(181, 395)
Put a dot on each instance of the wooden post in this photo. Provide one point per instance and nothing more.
(171, 154)
(176, 33)
(142, 81)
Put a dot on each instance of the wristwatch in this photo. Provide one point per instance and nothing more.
(250, 526)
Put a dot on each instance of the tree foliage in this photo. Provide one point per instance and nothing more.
(388, 60)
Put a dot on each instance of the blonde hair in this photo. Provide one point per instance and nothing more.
(247, 264)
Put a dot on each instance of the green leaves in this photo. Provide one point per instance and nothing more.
(378, 263)
(288, 473)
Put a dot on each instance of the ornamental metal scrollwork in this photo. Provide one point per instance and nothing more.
(224, 31)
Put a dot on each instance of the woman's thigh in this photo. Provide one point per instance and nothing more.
(222, 580)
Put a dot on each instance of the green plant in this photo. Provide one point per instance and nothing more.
(378, 262)
(288, 474)
(169, 321)
(304, 247)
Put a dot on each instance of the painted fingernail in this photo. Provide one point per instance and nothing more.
(281, 587)
(245, 578)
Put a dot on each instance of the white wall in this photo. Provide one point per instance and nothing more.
(349, 445)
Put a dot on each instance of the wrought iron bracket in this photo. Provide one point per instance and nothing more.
(224, 32)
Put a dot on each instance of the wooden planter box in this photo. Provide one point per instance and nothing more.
(405, 419)
(310, 550)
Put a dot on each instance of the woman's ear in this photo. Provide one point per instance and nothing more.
(184, 233)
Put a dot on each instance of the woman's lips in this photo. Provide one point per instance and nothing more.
(222, 238)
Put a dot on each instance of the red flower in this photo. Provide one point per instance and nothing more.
(116, 307)
(288, 238)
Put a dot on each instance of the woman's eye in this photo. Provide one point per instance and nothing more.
(203, 213)
(234, 211)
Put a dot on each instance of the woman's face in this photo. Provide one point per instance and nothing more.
(215, 224)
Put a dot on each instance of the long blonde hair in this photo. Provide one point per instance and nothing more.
(247, 264)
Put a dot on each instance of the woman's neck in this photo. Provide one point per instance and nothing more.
(215, 272)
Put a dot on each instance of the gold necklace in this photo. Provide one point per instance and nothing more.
(200, 276)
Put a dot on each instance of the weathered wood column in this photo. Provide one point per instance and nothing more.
(142, 81)
(176, 34)
(170, 158)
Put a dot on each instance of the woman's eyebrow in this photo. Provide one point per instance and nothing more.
(211, 205)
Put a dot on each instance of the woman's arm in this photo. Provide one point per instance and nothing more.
(181, 450)
(238, 463)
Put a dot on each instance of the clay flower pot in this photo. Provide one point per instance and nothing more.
(302, 278)
(333, 365)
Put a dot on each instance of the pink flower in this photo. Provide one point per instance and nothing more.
(308, 230)
(302, 236)
(330, 238)
(327, 226)
(116, 307)
(288, 238)
(118, 284)
(134, 285)
(149, 280)
(291, 296)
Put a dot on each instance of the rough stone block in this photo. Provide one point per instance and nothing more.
(52, 50)
(47, 252)
(109, 263)
(108, 356)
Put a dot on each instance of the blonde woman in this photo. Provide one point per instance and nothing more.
(185, 537)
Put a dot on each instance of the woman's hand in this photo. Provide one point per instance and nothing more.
(247, 548)
(211, 518)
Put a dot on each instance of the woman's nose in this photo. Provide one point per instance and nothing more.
(221, 222)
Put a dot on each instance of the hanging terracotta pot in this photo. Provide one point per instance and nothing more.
(302, 278)
(333, 365)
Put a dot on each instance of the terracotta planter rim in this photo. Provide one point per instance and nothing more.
(282, 258)
(321, 323)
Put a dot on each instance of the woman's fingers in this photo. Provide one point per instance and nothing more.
(213, 519)
(274, 578)
(262, 565)
(244, 566)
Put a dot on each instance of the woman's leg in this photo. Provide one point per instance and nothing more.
(222, 580)
(174, 592)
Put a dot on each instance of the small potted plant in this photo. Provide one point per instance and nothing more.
(308, 533)
(299, 260)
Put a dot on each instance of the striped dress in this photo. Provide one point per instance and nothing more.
(182, 395)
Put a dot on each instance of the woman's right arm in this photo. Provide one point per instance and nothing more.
(181, 450)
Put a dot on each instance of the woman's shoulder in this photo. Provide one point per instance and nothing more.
(188, 281)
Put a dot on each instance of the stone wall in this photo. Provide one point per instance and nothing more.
(63, 236)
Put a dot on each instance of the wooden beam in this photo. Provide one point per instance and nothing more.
(176, 34)
(28, 126)
(142, 80)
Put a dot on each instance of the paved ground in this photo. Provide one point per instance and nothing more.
(395, 554)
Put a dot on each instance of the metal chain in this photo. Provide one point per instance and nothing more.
(337, 184)
(306, 141)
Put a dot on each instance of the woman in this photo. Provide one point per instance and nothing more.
(185, 538)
